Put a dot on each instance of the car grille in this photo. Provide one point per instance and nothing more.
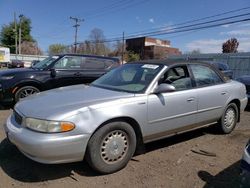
(18, 118)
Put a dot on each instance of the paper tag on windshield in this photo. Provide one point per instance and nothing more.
(150, 66)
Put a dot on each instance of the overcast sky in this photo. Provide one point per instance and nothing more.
(51, 23)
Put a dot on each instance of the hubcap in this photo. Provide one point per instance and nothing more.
(26, 92)
(114, 146)
(229, 119)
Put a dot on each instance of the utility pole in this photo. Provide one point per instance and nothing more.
(20, 32)
(77, 20)
(122, 47)
(15, 32)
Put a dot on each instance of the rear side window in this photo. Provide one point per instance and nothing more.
(93, 63)
(205, 76)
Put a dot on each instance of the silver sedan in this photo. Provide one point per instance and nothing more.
(108, 121)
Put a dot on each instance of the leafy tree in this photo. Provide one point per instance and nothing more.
(230, 46)
(131, 56)
(7, 35)
(57, 49)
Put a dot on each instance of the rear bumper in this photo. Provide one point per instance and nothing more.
(47, 148)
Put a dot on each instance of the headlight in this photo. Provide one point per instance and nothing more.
(48, 126)
(6, 77)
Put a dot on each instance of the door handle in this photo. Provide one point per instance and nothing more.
(77, 74)
(190, 100)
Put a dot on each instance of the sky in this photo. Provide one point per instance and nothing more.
(51, 23)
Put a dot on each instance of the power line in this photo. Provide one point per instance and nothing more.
(180, 29)
(195, 20)
(124, 5)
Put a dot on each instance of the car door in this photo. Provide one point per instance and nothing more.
(172, 112)
(211, 91)
(68, 71)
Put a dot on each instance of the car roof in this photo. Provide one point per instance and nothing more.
(84, 55)
(170, 62)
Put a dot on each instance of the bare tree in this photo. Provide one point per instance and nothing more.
(97, 38)
(30, 48)
(230, 46)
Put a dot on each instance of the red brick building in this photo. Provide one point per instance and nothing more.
(151, 48)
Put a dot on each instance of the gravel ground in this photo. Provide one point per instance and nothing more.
(172, 162)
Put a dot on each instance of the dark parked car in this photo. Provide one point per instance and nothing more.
(245, 80)
(16, 64)
(245, 167)
(52, 72)
(223, 67)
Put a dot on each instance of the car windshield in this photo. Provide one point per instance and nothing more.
(132, 78)
(45, 63)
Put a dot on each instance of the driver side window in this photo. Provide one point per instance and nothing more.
(69, 63)
(178, 77)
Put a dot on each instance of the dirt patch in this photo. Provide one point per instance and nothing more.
(167, 163)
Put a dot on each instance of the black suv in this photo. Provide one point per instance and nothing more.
(52, 72)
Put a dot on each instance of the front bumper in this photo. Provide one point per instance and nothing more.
(46, 148)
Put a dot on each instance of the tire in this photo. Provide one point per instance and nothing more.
(229, 119)
(25, 91)
(111, 147)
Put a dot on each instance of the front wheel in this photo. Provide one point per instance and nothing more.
(25, 92)
(111, 147)
(229, 118)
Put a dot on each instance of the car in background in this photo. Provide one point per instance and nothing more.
(223, 67)
(16, 64)
(245, 166)
(245, 80)
(52, 72)
(137, 103)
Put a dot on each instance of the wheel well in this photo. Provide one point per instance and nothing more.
(34, 84)
(135, 125)
(237, 102)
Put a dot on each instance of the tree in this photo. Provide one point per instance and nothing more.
(195, 52)
(57, 49)
(7, 35)
(230, 46)
(97, 38)
(131, 56)
(30, 48)
(118, 48)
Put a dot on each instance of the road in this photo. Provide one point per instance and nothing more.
(172, 162)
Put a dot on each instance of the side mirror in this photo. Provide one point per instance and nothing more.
(164, 88)
(53, 73)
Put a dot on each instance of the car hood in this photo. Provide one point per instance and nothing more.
(66, 101)
(16, 71)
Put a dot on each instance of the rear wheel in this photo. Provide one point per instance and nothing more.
(111, 147)
(25, 92)
(229, 118)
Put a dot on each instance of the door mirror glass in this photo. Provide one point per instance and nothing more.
(164, 88)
